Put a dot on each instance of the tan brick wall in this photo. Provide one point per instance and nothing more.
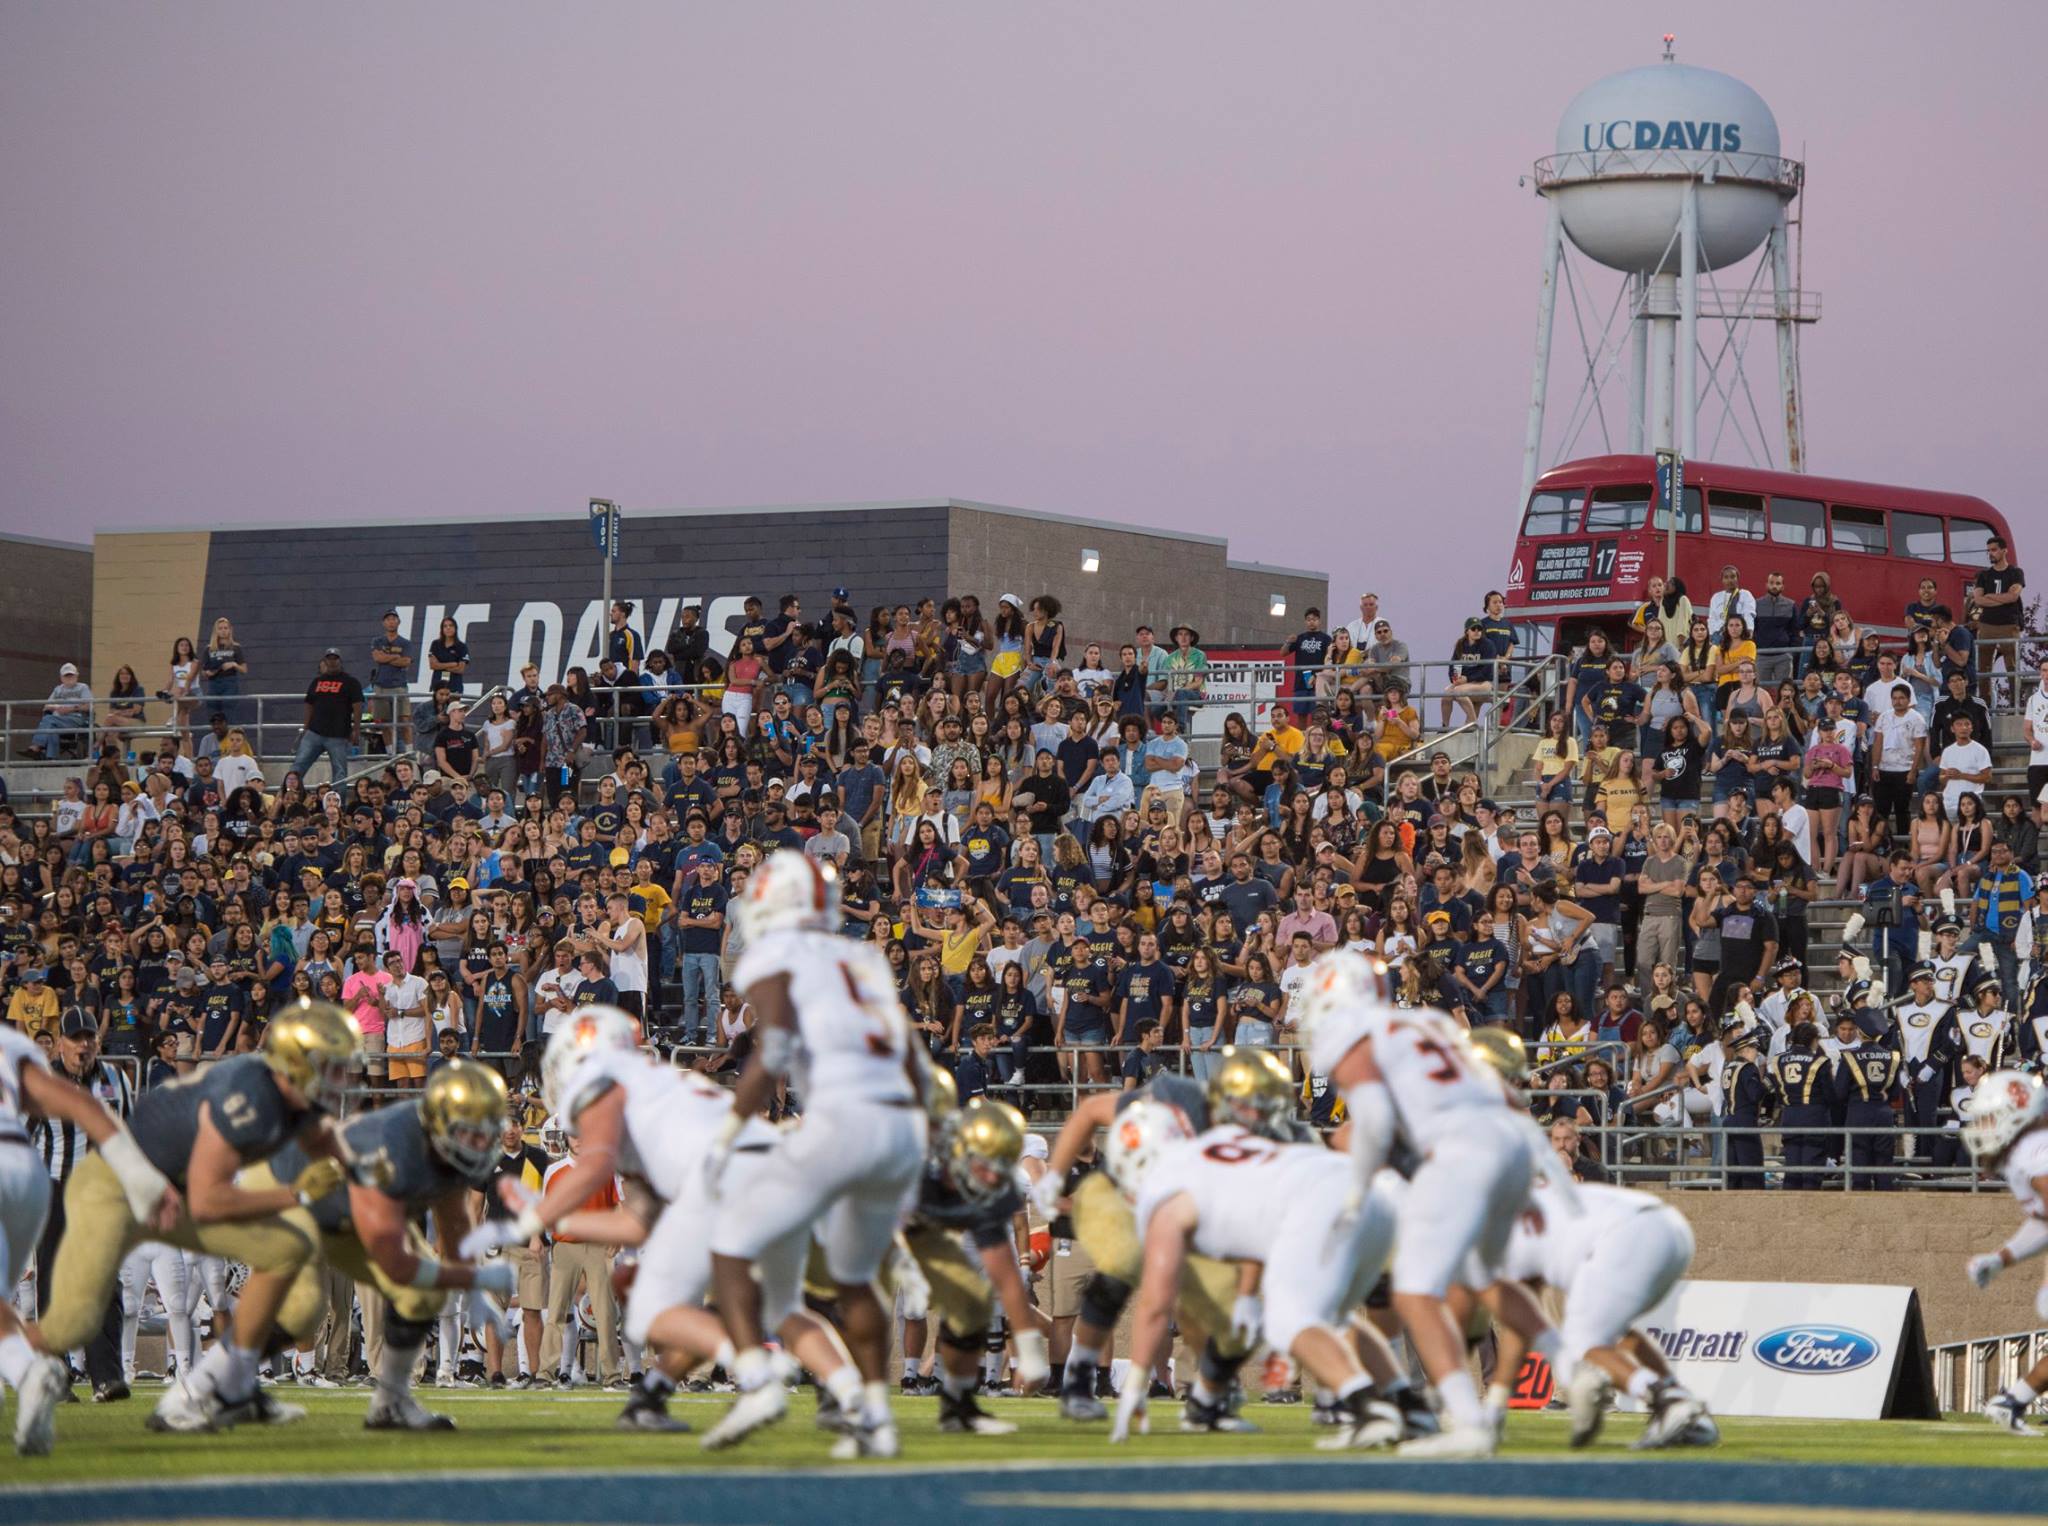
(147, 588)
(1146, 579)
(1891, 1239)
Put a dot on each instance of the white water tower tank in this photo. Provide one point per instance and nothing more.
(1629, 144)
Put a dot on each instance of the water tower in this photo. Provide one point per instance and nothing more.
(1671, 175)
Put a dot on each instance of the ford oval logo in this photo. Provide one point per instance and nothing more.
(1816, 1349)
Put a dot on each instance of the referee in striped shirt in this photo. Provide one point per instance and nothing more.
(64, 1148)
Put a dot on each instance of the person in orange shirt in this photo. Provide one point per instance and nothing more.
(572, 1261)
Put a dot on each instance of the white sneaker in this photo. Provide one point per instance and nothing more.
(445, 1380)
(2008, 1415)
(182, 1412)
(317, 1381)
(1586, 1403)
(750, 1411)
(1453, 1442)
(867, 1441)
(405, 1413)
(35, 1406)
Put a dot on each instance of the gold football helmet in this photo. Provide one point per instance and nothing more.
(312, 1046)
(464, 1108)
(1252, 1089)
(941, 1097)
(1503, 1051)
(983, 1148)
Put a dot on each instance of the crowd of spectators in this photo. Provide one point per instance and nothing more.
(1068, 896)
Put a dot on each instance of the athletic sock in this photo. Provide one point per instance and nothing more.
(1461, 1401)
(1206, 1394)
(656, 1384)
(751, 1369)
(1358, 1384)
(957, 1385)
(874, 1404)
(394, 1371)
(2021, 1392)
(844, 1385)
(1496, 1396)
(212, 1372)
(242, 1362)
(17, 1356)
(1640, 1382)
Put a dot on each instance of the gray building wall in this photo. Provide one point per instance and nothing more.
(1146, 578)
(45, 613)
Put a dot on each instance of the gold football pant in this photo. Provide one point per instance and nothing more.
(1107, 1230)
(99, 1232)
(961, 1296)
(342, 1252)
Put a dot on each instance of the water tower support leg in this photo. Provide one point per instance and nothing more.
(1638, 363)
(1539, 385)
(1689, 322)
(1788, 348)
(1662, 299)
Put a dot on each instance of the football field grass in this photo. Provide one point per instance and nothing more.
(556, 1458)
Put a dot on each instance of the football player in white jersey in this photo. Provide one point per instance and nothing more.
(826, 1014)
(2007, 1132)
(653, 1125)
(1410, 1071)
(30, 1089)
(1236, 1196)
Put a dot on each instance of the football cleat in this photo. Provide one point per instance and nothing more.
(867, 1441)
(750, 1411)
(963, 1417)
(405, 1413)
(1586, 1403)
(644, 1412)
(2003, 1411)
(261, 1409)
(1674, 1414)
(1703, 1432)
(1457, 1442)
(1326, 1412)
(35, 1415)
(1367, 1426)
(1198, 1418)
(182, 1412)
(1082, 1406)
(1417, 1418)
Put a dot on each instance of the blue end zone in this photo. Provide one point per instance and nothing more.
(1191, 1494)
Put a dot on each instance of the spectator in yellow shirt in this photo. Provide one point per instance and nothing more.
(34, 1006)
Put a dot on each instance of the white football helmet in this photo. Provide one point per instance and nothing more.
(1138, 1136)
(791, 892)
(1340, 981)
(2004, 1106)
(588, 1029)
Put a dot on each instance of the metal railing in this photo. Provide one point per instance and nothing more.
(1967, 1373)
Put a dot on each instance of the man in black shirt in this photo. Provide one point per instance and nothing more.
(334, 710)
(688, 644)
(1999, 594)
(1749, 941)
(1305, 651)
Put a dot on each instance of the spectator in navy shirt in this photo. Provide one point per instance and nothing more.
(1145, 1061)
(1305, 651)
(974, 1070)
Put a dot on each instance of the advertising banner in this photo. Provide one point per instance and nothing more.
(1810, 1350)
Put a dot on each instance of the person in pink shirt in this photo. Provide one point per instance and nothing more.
(360, 994)
(1829, 764)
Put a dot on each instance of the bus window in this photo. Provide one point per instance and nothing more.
(1917, 536)
(1553, 513)
(1689, 517)
(1799, 522)
(1739, 515)
(1859, 530)
(1967, 542)
(1618, 508)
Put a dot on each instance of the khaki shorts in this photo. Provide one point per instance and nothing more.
(1067, 1274)
(373, 1056)
(533, 1277)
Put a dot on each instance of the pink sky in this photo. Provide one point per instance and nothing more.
(1254, 270)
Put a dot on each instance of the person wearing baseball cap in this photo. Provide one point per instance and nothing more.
(34, 1006)
(67, 712)
(334, 712)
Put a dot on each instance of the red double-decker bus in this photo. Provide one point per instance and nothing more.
(1590, 542)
